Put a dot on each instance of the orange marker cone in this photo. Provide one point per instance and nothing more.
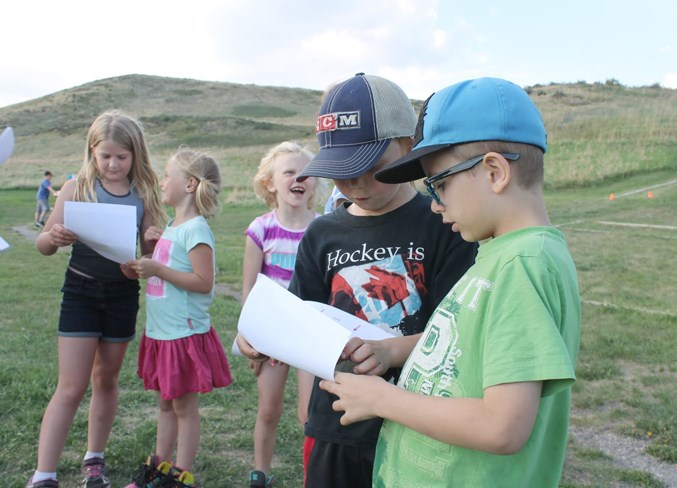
(612, 197)
(650, 195)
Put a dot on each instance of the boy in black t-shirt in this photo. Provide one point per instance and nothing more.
(383, 256)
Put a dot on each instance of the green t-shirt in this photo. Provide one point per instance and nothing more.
(513, 317)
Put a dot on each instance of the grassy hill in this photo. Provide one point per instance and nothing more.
(236, 123)
(595, 131)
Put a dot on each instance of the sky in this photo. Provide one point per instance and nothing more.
(422, 45)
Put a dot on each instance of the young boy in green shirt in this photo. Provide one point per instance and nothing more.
(483, 399)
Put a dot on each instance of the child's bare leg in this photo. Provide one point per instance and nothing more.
(103, 405)
(305, 387)
(76, 356)
(271, 382)
(167, 430)
(186, 409)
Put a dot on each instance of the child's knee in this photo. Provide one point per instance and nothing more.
(104, 382)
(186, 405)
(70, 395)
(270, 413)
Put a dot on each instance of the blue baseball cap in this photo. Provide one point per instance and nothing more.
(485, 109)
(357, 120)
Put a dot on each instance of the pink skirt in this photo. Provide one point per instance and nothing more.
(193, 364)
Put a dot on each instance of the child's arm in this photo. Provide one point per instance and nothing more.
(500, 422)
(200, 280)
(252, 264)
(54, 235)
(150, 234)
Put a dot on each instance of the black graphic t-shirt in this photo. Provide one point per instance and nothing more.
(390, 269)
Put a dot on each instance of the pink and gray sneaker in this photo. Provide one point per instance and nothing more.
(94, 473)
(42, 484)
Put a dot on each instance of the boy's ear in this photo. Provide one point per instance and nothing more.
(406, 143)
(498, 171)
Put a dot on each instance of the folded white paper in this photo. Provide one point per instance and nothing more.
(3, 244)
(108, 229)
(357, 327)
(6, 144)
(306, 335)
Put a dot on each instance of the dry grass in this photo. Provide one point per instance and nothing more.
(596, 132)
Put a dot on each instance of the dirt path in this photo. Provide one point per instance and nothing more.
(627, 452)
(29, 232)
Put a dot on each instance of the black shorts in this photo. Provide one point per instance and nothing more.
(95, 308)
(338, 466)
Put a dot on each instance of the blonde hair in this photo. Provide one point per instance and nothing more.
(126, 132)
(205, 170)
(264, 175)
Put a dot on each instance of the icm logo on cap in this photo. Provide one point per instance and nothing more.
(337, 121)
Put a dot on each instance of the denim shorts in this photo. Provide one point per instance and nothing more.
(95, 308)
(42, 206)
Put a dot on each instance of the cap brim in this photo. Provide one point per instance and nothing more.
(344, 163)
(408, 167)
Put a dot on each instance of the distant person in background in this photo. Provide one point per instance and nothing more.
(43, 207)
(100, 297)
(271, 243)
(335, 200)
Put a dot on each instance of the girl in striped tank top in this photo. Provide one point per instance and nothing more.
(270, 248)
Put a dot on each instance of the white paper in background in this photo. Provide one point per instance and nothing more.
(280, 325)
(107, 228)
(6, 144)
(3, 244)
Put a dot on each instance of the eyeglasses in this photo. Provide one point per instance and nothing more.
(464, 166)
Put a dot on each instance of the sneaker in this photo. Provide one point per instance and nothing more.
(39, 224)
(151, 474)
(259, 479)
(185, 480)
(42, 484)
(94, 473)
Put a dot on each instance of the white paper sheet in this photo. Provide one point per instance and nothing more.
(6, 144)
(108, 229)
(280, 325)
(3, 244)
(357, 327)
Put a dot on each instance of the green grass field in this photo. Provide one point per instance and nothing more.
(603, 138)
(626, 371)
